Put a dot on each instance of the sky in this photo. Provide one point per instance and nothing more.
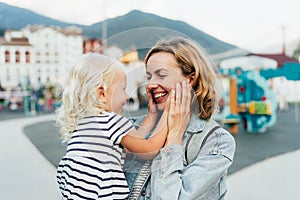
(255, 25)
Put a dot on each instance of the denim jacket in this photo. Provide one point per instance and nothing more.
(171, 177)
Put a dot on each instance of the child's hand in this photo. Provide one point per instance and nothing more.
(179, 112)
(152, 109)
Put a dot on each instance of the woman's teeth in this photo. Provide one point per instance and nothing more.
(159, 95)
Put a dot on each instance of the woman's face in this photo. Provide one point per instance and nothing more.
(163, 73)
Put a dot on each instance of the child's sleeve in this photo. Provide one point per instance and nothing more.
(120, 126)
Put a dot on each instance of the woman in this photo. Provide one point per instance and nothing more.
(172, 175)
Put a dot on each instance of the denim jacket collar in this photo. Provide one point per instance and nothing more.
(196, 124)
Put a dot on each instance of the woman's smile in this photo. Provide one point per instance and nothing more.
(160, 97)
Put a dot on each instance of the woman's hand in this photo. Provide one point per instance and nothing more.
(179, 113)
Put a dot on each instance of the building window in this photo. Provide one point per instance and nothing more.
(17, 56)
(7, 56)
(27, 54)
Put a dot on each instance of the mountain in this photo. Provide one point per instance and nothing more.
(138, 20)
(135, 29)
(12, 17)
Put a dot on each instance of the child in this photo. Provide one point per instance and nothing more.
(90, 122)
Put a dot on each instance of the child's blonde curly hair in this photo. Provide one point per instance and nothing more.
(80, 97)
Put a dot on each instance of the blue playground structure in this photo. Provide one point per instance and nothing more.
(250, 100)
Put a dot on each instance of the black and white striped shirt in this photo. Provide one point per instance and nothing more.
(92, 166)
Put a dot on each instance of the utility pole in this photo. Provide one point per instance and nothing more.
(283, 40)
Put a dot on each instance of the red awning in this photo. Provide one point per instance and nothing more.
(280, 58)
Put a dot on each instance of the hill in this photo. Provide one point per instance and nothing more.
(138, 20)
(10, 18)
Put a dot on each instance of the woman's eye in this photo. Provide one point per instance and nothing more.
(148, 78)
(162, 76)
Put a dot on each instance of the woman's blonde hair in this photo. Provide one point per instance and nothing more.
(192, 60)
(79, 98)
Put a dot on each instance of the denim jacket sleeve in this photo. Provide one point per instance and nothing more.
(204, 178)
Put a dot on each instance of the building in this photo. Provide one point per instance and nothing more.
(280, 58)
(56, 51)
(39, 53)
(16, 59)
(93, 45)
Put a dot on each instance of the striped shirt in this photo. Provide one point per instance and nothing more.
(92, 166)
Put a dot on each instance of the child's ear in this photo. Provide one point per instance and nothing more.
(101, 92)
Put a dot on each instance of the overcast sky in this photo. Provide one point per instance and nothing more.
(255, 25)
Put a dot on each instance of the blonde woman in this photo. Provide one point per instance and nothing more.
(182, 171)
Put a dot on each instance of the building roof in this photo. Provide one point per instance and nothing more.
(248, 63)
(23, 41)
(281, 58)
(71, 30)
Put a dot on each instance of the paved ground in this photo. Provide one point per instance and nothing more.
(26, 172)
(283, 137)
(251, 148)
(276, 178)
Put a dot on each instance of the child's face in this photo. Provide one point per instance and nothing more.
(116, 95)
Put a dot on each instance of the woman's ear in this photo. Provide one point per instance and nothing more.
(191, 78)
